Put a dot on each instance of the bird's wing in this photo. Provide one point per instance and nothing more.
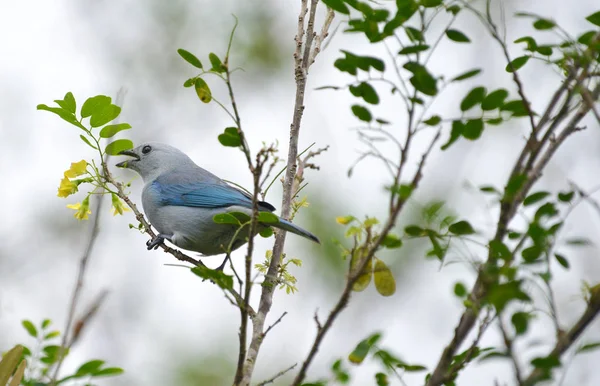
(204, 195)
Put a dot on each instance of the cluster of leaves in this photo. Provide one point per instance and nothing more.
(38, 362)
(101, 111)
(368, 348)
(285, 279)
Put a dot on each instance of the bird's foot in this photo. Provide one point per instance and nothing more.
(156, 242)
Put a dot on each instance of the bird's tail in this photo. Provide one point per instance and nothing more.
(288, 226)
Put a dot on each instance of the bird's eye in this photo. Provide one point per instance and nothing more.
(147, 149)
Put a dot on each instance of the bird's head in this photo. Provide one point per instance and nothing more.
(153, 158)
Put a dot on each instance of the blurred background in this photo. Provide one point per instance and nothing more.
(162, 324)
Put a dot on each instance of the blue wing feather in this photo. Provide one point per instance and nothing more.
(204, 195)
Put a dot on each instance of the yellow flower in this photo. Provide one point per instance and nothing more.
(76, 169)
(117, 206)
(82, 208)
(67, 187)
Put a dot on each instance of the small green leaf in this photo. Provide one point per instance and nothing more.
(473, 129)
(89, 367)
(87, 141)
(579, 241)
(517, 63)
(433, 120)
(190, 58)
(362, 113)
(230, 137)
(110, 130)
(562, 260)
(115, 147)
(31, 330)
(543, 24)
(383, 279)
(431, 3)
(461, 228)
(531, 43)
(110, 371)
(546, 363)
(94, 105)
(466, 75)
(413, 49)
(68, 103)
(358, 355)
(64, 114)
(520, 321)
(104, 115)
(226, 218)
(422, 80)
(413, 230)
(473, 98)
(516, 107)
(202, 90)
(268, 218)
(457, 131)
(51, 335)
(594, 18)
(337, 5)
(266, 232)
(391, 241)
(535, 197)
(218, 277)
(589, 346)
(457, 36)
(189, 83)
(217, 65)
(494, 100)
(460, 290)
(565, 196)
(46, 323)
(412, 33)
(364, 278)
(366, 91)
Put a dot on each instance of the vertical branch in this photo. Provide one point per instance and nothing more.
(302, 59)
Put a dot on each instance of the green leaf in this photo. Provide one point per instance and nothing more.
(190, 58)
(413, 230)
(226, 218)
(202, 90)
(473, 129)
(89, 367)
(546, 363)
(115, 147)
(110, 130)
(422, 80)
(104, 115)
(230, 137)
(365, 91)
(544, 24)
(431, 3)
(460, 290)
(267, 218)
(461, 228)
(489, 189)
(381, 379)
(544, 50)
(520, 321)
(457, 36)
(109, 371)
(473, 98)
(266, 232)
(94, 105)
(64, 114)
(391, 241)
(566, 196)
(535, 197)
(218, 277)
(517, 63)
(494, 100)
(31, 330)
(594, 18)
(68, 103)
(383, 279)
(499, 250)
(579, 241)
(364, 278)
(466, 75)
(546, 210)
(189, 83)
(499, 295)
(457, 131)
(337, 5)
(217, 65)
(358, 355)
(87, 141)
(414, 34)
(46, 323)
(433, 120)
(413, 49)
(589, 346)
(51, 335)
(516, 107)
(362, 113)
(562, 260)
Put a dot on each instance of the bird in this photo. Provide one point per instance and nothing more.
(181, 199)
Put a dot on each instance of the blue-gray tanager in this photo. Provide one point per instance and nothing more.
(181, 199)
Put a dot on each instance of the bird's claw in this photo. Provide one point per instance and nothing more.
(155, 242)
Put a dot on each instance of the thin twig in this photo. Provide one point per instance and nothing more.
(279, 374)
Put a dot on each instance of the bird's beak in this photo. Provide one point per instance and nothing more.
(130, 153)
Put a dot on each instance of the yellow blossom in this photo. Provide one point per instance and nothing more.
(82, 209)
(117, 206)
(76, 169)
(67, 187)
